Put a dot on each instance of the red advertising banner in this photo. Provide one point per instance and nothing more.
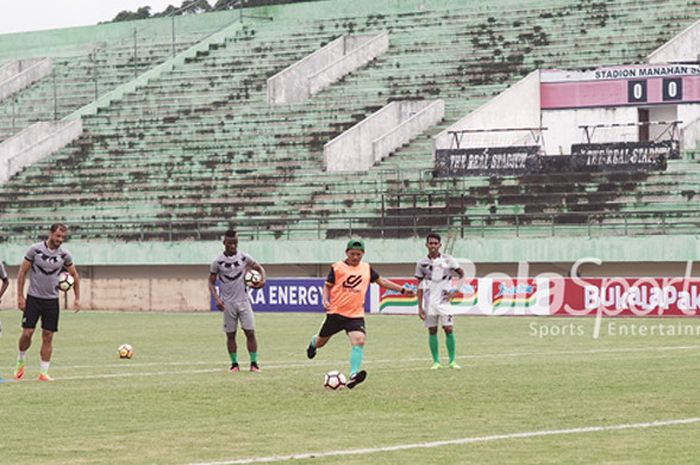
(626, 296)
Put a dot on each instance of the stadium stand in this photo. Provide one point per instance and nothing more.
(199, 148)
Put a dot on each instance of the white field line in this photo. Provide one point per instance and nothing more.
(281, 364)
(330, 363)
(454, 442)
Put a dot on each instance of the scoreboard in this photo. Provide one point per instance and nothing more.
(637, 85)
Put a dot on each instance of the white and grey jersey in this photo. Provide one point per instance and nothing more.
(435, 277)
(3, 273)
(46, 266)
(230, 271)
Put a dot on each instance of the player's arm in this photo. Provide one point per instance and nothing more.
(73, 271)
(3, 288)
(213, 293)
(460, 274)
(21, 276)
(419, 275)
(326, 294)
(386, 284)
(419, 294)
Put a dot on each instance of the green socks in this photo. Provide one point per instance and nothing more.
(434, 350)
(356, 356)
(451, 343)
(234, 357)
(313, 341)
(253, 357)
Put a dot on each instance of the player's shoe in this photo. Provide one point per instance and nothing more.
(44, 376)
(254, 367)
(436, 366)
(19, 369)
(234, 368)
(356, 378)
(311, 351)
(454, 365)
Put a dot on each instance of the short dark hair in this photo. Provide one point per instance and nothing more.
(231, 233)
(433, 235)
(56, 226)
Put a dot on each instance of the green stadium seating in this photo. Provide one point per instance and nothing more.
(198, 148)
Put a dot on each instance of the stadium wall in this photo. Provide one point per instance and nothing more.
(516, 107)
(564, 127)
(173, 276)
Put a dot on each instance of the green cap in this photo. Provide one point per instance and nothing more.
(357, 244)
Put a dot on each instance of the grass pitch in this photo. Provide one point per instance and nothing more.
(175, 402)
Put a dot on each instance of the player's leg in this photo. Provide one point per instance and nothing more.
(30, 317)
(252, 345)
(355, 328)
(431, 323)
(46, 352)
(25, 341)
(450, 339)
(330, 326)
(232, 348)
(247, 320)
(230, 327)
(49, 326)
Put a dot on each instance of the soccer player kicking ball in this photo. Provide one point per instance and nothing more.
(344, 299)
(434, 274)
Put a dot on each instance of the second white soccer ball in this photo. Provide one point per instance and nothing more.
(65, 281)
(251, 277)
(125, 351)
(334, 380)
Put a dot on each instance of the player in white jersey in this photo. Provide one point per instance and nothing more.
(232, 298)
(434, 274)
(45, 260)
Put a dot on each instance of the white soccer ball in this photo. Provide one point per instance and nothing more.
(334, 380)
(252, 277)
(65, 281)
(125, 351)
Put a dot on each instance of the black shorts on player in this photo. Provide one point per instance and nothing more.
(46, 309)
(335, 323)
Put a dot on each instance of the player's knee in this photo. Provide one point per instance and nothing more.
(448, 329)
(432, 331)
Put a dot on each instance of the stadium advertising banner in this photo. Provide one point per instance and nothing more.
(496, 296)
(288, 295)
(490, 161)
(482, 296)
(627, 297)
(623, 156)
(620, 86)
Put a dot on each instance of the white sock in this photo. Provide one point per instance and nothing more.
(44, 366)
(22, 355)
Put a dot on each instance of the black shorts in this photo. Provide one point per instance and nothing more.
(335, 323)
(47, 309)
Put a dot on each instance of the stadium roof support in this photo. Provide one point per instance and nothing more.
(378, 135)
(325, 66)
